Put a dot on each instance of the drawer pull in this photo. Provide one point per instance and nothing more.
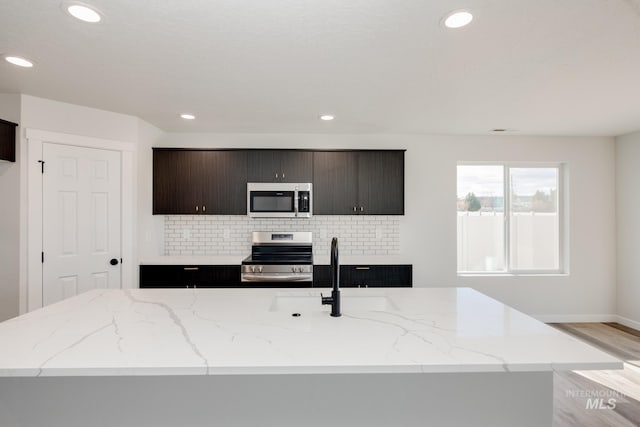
(191, 268)
(363, 268)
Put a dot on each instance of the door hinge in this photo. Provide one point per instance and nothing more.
(42, 257)
(41, 165)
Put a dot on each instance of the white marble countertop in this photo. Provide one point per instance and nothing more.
(194, 260)
(363, 260)
(237, 260)
(237, 331)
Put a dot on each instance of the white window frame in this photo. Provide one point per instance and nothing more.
(563, 268)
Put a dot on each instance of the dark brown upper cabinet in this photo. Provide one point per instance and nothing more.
(189, 182)
(381, 182)
(335, 186)
(367, 182)
(280, 166)
(7, 141)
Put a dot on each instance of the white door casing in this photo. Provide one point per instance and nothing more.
(32, 233)
(81, 220)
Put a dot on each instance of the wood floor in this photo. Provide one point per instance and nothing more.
(600, 398)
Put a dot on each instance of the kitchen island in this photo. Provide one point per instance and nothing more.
(269, 357)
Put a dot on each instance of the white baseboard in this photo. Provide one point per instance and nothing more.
(628, 322)
(577, 318)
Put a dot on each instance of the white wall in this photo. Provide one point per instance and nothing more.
(628, 214)
(45, 114)
(55, 116)
(9, 217)
(428, 230)
(150, 229)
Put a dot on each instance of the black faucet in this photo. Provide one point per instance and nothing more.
(334, 299)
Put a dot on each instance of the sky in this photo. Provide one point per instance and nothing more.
(487, 180)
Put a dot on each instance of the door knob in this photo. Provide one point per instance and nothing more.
(114, 261)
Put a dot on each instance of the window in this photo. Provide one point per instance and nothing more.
(509, 218)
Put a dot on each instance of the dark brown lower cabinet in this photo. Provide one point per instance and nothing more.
(366, 276)
(189, 276)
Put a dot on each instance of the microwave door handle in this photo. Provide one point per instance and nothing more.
(295, 202)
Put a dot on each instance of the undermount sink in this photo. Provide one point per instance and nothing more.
(349, 303)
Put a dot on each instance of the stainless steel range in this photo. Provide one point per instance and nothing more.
(279, 259)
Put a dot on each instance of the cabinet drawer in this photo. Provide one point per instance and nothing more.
(217, 276)
(162, 276)
(189, 276)
(380, 275)
(400, 275)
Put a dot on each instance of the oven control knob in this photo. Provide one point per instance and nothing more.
(293, 269)
(253, 268)
(260, 269)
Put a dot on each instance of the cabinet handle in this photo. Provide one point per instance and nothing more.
(361, 209)
(191, 268)
(276, 175)
(355, 209)
(197, 208)
(282, 175)
(204, 208)
(363, 268)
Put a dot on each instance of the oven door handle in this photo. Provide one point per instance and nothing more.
(295, 201)
(274, 278)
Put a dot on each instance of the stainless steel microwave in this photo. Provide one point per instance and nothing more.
(279, 200)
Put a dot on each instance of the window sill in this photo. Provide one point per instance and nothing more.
(513, 274)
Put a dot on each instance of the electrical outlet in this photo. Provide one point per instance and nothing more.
(378, 233)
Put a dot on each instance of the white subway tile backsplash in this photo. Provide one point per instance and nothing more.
(231, 234)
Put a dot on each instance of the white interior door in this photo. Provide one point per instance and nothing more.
(81, 220)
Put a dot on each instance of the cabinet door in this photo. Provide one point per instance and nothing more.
(381, 275)
(280, 166)
(163, 276)
(225, 182)
(381, 182)
(322, 276)
(335, 175)
(7, 141)
(263, 165)
(354, 276)
(217, 276)
(296, 166)
(177, 185)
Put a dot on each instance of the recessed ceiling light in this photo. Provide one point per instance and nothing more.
(83, 12)
(20, 62)
(327, 117)
(457, 19)
(188, 116)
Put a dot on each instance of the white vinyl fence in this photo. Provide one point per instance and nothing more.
(481, 241)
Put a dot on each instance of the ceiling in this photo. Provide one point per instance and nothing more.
(535, 67)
